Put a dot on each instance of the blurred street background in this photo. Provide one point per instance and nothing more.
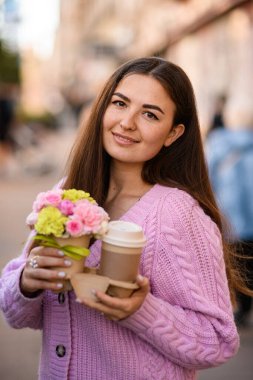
(54, 57)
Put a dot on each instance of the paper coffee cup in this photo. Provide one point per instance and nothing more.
(121, 251)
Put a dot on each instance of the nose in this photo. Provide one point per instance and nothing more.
(128, 123)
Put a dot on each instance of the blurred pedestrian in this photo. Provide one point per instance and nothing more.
(7, 117)
(230, 158)
(218, 118)
(140, 155)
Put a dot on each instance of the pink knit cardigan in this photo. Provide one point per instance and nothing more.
(185, 323)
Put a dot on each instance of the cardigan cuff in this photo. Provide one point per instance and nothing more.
(19, 295)
(144, 317)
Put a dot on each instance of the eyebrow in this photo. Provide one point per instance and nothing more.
(150, 106)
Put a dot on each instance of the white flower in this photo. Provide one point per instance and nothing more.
(32, 218)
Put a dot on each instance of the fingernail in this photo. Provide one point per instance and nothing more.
(67, 262)
(61, 274)
(93, 291)
(59, 285)
(140, 277)
(78, 300)
(60, 253)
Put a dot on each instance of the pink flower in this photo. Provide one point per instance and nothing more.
(48, 198)
(66, 207)
(91, 216)
(74, 227)
(81, 209)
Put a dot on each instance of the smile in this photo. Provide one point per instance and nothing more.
(124, 139)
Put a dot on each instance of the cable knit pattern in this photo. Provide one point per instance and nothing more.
(185, 323)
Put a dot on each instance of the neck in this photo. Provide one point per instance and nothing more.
(126, 179)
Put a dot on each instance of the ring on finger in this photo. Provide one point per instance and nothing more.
(33, 262)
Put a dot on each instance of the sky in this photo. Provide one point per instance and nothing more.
(38, 21)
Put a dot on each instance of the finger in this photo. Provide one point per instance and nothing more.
(46, 251)
(46, 274)
(114, 306)
(108, 300)
(33, 280)
(47, 261)
(35, 285)
(143, 282)
(126, 304)
(143, 289)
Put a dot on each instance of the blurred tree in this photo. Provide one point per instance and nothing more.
(9, 65)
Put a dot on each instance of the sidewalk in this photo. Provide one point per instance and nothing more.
(48, 155)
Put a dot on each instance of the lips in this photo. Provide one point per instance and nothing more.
(124, 139)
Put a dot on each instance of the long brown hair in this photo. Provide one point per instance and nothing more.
(181, 165)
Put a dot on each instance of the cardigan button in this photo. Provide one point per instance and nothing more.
(60, 350)
(61, 298)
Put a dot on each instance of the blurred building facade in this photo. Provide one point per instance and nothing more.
(211, 39)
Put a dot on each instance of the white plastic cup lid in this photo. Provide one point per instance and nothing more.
(124, 234)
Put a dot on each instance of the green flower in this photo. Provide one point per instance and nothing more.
(76, 195)
(51, 221)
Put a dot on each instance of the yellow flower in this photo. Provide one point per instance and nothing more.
(51, 221)
(76, 195)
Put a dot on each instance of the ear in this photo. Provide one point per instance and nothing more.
(174, 134)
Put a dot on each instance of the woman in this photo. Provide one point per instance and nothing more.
(141, 157)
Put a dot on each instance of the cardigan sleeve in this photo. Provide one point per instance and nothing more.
(19, 311)
(187, 316)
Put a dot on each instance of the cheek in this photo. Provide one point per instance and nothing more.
(153, 145)
(105, 122)
(109, 119)
(106, 132)
(106, 127)
(155, 138)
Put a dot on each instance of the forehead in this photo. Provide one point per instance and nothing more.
(141, 85)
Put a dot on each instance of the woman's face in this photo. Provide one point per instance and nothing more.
(138, 120)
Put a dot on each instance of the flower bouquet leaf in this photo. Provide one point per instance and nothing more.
(74, 252)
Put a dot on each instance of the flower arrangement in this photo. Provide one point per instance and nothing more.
(67, 214)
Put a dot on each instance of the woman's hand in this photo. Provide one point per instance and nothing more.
(39, 273)
(119, 308)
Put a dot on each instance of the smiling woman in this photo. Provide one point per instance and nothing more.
(140, 156)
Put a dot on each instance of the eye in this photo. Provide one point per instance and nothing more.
(118, 103)
(151, 115)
